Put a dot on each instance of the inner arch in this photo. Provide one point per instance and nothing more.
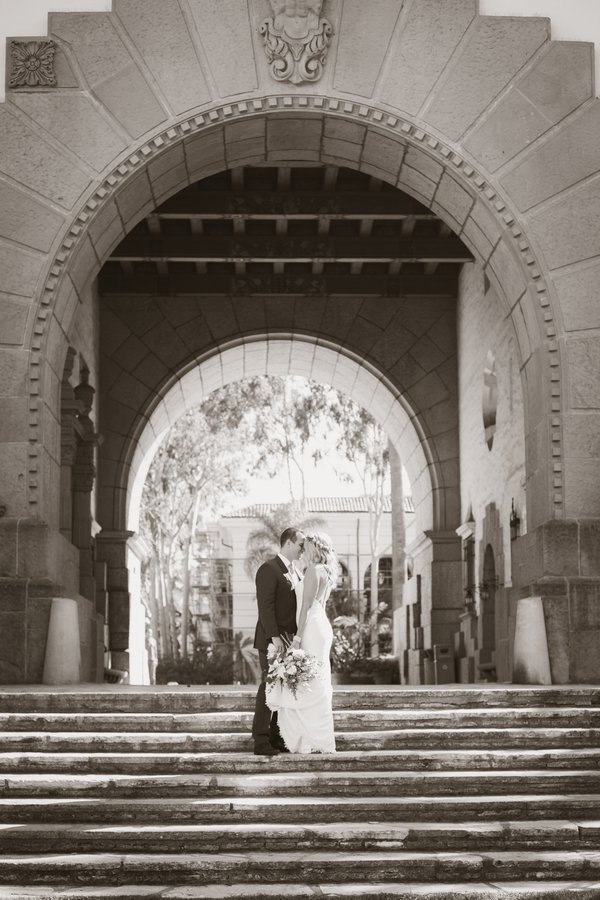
(295, 355)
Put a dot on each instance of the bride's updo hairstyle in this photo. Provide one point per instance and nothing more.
(319, 551)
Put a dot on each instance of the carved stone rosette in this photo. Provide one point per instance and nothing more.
(32, 64)
(296, 39)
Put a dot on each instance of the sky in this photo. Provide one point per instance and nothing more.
(572, 20)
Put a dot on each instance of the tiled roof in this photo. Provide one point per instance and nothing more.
(321, 505)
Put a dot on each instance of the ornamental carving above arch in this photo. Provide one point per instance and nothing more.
(296, 39)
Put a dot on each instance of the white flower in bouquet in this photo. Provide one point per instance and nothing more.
(291, 667)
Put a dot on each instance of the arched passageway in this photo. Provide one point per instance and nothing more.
(441, 128)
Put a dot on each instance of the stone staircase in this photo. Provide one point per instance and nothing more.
(474, 792)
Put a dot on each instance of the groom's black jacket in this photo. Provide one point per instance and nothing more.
(276, 600)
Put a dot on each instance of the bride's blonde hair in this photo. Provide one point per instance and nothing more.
(320, 551)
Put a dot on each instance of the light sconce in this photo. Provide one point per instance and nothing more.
(514, 522)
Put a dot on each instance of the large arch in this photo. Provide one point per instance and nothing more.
(464, 112)
(279, 355)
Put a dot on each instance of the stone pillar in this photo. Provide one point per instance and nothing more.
(111, 548)
(560, 562)
(83, 475)
(435, 596)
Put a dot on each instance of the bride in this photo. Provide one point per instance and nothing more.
(306, 722)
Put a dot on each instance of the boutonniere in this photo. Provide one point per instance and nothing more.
(289, 579)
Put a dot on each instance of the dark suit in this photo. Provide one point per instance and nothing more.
(276, 600)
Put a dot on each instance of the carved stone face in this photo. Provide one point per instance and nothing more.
(296, 18)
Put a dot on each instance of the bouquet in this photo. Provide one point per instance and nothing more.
(290, 668)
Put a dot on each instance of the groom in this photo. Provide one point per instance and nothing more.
(276, 597)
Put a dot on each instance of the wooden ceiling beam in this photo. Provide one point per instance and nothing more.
(147, 283)
(189, 248)
(292, 205)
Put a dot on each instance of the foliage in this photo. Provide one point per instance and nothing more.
(348, 648)
(384, 669)
(210, 664)
(246, 667)
(263, 542)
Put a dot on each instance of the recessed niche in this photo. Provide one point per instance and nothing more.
(490, 399)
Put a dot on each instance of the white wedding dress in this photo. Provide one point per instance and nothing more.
(306, 722)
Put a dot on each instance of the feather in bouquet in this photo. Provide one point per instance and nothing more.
(291, 668)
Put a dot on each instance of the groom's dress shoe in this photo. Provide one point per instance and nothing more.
(265, 750)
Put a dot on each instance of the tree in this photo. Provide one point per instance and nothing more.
(203, 460)
(263, 541)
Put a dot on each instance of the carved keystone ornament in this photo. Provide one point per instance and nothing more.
(296, 40)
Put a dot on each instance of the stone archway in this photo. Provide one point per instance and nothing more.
(472, 134)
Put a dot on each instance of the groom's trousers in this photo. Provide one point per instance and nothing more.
(264, 726)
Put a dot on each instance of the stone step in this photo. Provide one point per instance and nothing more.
(327, 782)
(541, 890)
(374, 760)
(165, 699)
(272, 810)
(344, 720)
(342, 836)
(393, 739)
(302, 867)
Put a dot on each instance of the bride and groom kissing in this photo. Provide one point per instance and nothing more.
(303, 722)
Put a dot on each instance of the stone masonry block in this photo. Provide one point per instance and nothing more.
(225, 24)
(205, 151)
(581, 434)
(363, 335)
(13, 372)
(569, 155)
(429, 392)
(151, 371)
(437, 26)
(452, 201)
(496, 49)
(75, 121)
(560, 548)
(344, 130)
(427, 354)
(383, 152)
(416, 184)
(159, 31)
(589, 548)
(26, 220)
(583, 653)
(364, 37)
(219, 315)
(407, 372)
(131, 392)
(101, 51)
(298, 133)
(578, 295)
(584, 604)
(84, 266)
(13, 419)
(13, 652)
(568, 229)
(106, 229)
(559, 82)
(336, 151)
(165, 343)
(425, 164)
(20, 269)
(29, 159)
(508, 273)
(584, 366)
(582, 488)
(135, 199)
(13, 323)
(513, 124)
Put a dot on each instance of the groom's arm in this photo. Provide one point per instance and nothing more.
(266, 588)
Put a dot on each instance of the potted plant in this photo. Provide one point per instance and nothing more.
(384, 669)
(348, 660)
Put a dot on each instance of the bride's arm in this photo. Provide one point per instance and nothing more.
(311, 584)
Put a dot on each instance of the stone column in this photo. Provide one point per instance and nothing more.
(560, 562)
(111, 549)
